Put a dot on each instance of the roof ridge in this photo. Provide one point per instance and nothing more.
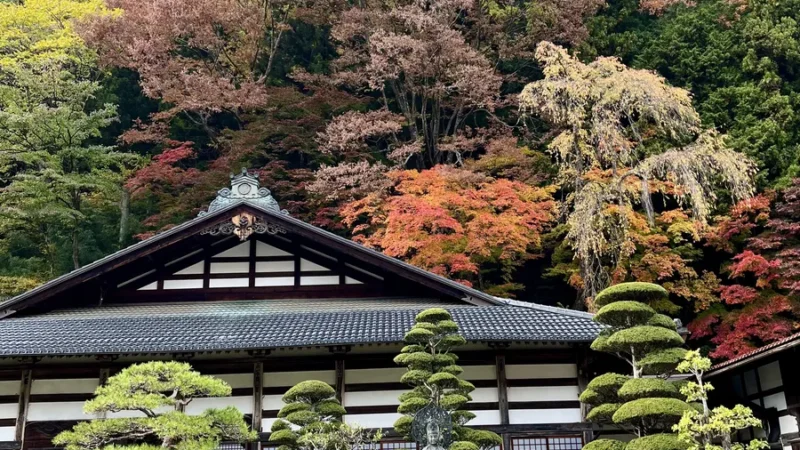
(546, 308)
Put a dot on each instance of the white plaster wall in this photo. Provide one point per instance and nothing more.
(542, 416)
(319, 281)
(7, 433)
(44, 411)
(473, 373)
(9, 387)
(71, 386)
(243, 404)
(385, 420)
(788, 424)
(9, 411)
(237, 380)
(528, 371)
(289, 379)
(543, 393)
(485, 418)
(372, 398)
(360, 376)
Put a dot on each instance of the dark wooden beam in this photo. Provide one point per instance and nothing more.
(258, 394)
(22, 408)
(252, 266)
(502, 395)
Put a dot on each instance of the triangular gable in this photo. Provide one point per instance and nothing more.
(224, 232)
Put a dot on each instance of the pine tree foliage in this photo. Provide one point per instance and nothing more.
(643, 405)
(159, 393)
(434, 378)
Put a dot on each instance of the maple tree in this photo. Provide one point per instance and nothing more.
(455, 223)
(761, 302)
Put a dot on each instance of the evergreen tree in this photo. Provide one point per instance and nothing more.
(150, 388)
(649, 342)
(434, 378)
(312, 420)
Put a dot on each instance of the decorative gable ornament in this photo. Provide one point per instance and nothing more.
(244, 188)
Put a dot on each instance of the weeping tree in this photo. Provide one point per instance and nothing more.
(312, 420)
(433, 376)
(644, 401)
(159, 392)
(621, 132)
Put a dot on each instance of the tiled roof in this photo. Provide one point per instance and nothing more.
(255, 324)
(789, 341)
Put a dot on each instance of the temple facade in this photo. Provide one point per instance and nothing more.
(249, 294)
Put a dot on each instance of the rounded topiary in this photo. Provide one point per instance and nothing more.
(637, 388)
(663, 321)
(590, 397)
(607, 384)
(463, 445)
(603, 413)
(283, 437)
(310, 391)
(302, 418)
(624, 313)
(444, 379)
(330, 407)
(605, 444)
(293, 407)
(662, 361)
(453, 401)
(643, 337)
(662, 441)
(482, 438)
(403, 425)
(419, 335)
(415, 377)
(279, 425)
(433, 315)
(637, 291)
(412, 405)
(666, 410)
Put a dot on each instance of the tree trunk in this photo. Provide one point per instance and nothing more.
(76, 256)
(124, 216)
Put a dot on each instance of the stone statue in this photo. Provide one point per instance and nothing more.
(434, 436)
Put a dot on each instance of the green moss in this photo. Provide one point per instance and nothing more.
(607, 384)
(666, 410)
(605, 444)
(283, 437)
(636, 291)
(292, 407)
(656, 442)
(603, 413)
(662, 361)
(643, 337)
(310, 391)
(663, 321)
(433, 315)
(637, 388)
(624, 314)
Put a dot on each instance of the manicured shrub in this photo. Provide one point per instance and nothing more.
(665, 411)
(637, 388)
(603, 413)
(624, 314)
(636, 291)
(605, 444)
(661, 441)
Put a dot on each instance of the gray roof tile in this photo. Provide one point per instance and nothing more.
(254, 324)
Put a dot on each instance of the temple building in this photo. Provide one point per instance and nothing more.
(262, 300)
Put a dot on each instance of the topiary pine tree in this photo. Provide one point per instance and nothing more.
(649, 342)
(150, 388)
(434, 378)
(312, 420)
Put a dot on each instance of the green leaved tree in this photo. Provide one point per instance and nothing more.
(159, 391)
(434, 378)
(649, 342)
(711, 429)
(312, 420)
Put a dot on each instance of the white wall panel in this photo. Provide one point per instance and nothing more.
(543, 393)
(306, 265)
(348, 280)
(198, 405)
(485, 418)
(387, 375)
(777, 401)
(9, 387)
(385, 420)
(319, 281)
(7, 433)
(272, 402)
(275, 281)
(770, 376)
(565, 415)
(149, 287)
(236, 380)
(228, 282)
(484, 395)
(71, 386)
(8, 410)
(240, 250)
(183, 284)
(486, 372)
(44, 411)
(372, 398)
(194, 269)
(289, 379)
(788, 424)
(274, 266)
(527, 371)
(266, 424)
(230, 267)
(263, 249)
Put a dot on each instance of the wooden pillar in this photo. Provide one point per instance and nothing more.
(502, 395)
(258, 396)
(582, 363)
(22, 411)
(102, 380)
(340, 377)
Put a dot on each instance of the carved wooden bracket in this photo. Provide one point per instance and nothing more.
(244, 225)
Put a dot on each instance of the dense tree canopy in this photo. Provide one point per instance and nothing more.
(541, 150)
